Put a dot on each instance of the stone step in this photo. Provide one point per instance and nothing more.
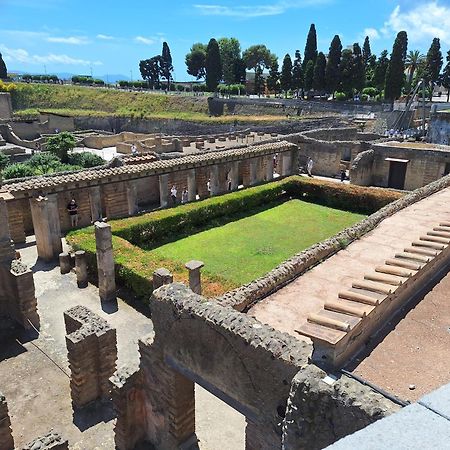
(348, 307)
(394, 280)
(404, 263)
(428, 244)
(374, 286)
(444, 234)
(392, 270)
(439, 240)
(422, 251)
(413, 256)
(359, 296)
(324, 334)
(447, 229)
(334, 320)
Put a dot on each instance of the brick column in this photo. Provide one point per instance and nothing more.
(105, 261)
(253, 171)
(7, 252)
(95, 201)
(132, 198)
(269, 168)
(161, 277)
(192, 185)
(194, 275)
(287, 163)
(47, 227)
(234, 175)
(214, 179)
(260, 170)
(6, 438)
(164, 190)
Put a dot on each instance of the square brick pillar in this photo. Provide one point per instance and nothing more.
(6, 437)
(214, 180)
(164, 191)
(269, 168)
(253, 171)
(105, 261)
(234, 175)
(47, 227)
(95, 202)
(7, 251)
(195, 282)
(132, 198)
(287, 163)
(192, 185)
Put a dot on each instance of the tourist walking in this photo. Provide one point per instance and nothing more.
(184, 196)
(72, 208)
(309, 167)
(133, 149)
(173, 195)
(343, 175)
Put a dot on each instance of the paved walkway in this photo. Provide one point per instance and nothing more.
(33, 375)
(288, 308)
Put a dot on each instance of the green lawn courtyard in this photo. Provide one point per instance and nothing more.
(241, 251)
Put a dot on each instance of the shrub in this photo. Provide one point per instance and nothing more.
(7, 87)
(364, 97)
(4, 160)
(42, 163)
(85, 160)
(61, 144)
(370, 91)
(18, 170)
(340, 96)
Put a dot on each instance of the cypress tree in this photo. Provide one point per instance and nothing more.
(434, 62)
(259, 81)
(297, 72)
(286, 75)
(379, 74)
(346, 69)
(3, 70)
(319, 72)
(213, 65)
(332, 70)
(395, 74)
(309, 75)
(366, 52)
(358, 73)
(445, 78)
(166, 64)
(311, 47)
(274, 77)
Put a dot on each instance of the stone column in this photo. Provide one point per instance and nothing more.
(6, 437)
(192, 185)
(47, 227)
(132, 198)
(194, 275)
(81, 269)
(223, 181)
(95, 201)
(164, 190)
(105, 262)
(65, 265)
(287, 163)
(295, 165)
(259, 170)
(269, 168)
(253, 171)
(234, 175)
(214, 179)
(161, 277)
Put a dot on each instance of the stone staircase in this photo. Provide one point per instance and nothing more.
(342, 328)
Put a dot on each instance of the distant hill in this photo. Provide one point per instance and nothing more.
(110, 78)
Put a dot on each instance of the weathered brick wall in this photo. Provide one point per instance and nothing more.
(92, 353)
(6, 438)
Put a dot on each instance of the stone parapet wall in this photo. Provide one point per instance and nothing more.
(6, 438)
(245, 296)
(92, 353)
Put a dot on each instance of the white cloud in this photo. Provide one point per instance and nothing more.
(273, 9)
(144, 40)
(71, 40)
(23, 56)
(105, 37)
(372, 33)
(422, 23)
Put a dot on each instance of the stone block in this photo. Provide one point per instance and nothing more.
(51, 441)
(161, 277)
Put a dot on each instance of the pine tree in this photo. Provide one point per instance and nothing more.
(286, 75)
(309, 75)
(332, 70)
(3, 70)
(213, 66)
(311, 47)
(230, 51)
(346, 69)
(319, 72)
(379, 75)
(166, 64)
(297, 72)
(358, 72)
(445, 77)
(366, 52)
(395, 74)
(273, 80)
(195, 61)
(434, 62)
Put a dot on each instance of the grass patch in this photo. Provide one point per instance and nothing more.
(241, 251)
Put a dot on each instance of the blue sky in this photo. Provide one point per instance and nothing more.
(111, 37)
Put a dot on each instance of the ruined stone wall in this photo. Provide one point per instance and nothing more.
(5, 106)
(51, 441)
(6, 438)
(92, 354)
(439, 128)
(361, 171)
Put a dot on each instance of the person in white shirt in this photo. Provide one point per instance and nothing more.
(309, 167)
(173, 195)
(184, 196)
(133, 149)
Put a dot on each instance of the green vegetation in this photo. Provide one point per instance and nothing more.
(61, 144)
(243, 250)
(145, 243)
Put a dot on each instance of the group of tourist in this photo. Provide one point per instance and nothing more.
(174, 193)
